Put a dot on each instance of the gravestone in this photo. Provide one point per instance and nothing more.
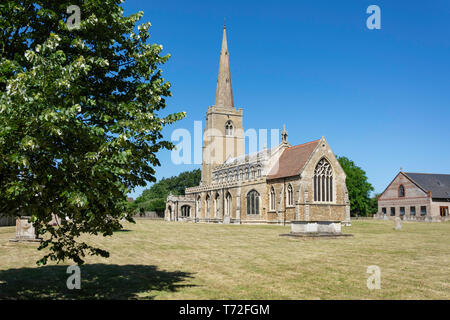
(397, 223)
(25, 230)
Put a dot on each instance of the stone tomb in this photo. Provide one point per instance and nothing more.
(25, 230)
(316, 229)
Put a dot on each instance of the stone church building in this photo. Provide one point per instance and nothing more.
(277, 185)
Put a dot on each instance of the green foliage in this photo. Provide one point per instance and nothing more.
(79, 122)
(358, 188)
(374, 204)
(160, 190)
(158, 205)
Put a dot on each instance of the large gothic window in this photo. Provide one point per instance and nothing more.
(323, 182)
(253, 202)
(272, 199)
(229, 128)
(290, 195)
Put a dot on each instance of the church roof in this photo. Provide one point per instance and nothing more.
(292, 160)
(250, 158)
(438, 184)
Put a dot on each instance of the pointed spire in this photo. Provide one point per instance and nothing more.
(224, 91)
(284, 135)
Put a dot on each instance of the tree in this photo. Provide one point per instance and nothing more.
(374, 204)
(358, 187)
(79, 118)
(154, 198)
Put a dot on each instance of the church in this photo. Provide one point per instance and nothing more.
(278, 185)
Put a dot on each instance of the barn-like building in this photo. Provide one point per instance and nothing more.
(416, 196)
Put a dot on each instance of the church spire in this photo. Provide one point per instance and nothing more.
(224, 91)
(284, 135)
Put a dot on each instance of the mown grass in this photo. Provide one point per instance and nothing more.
(169, 260)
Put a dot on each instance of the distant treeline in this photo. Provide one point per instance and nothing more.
(154, 198)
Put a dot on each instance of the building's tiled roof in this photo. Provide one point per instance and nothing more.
(438, 184)
(293, 160)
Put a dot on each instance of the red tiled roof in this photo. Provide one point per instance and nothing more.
(293, 159)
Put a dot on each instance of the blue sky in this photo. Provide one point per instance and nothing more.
(380, 97)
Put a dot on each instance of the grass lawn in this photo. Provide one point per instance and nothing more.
(169, 260)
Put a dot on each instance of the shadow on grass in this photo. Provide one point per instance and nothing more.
(98, 281)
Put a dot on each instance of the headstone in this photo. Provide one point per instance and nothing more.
(25, 230)
(397, 223)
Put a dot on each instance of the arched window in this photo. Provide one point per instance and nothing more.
(228, 204)
(185, 211)
(323, 181)
(216, 205)
(272, 199)
(241, 174)
(290, 195)
(253, 202)
(401, 191)
(229, 128)
(208, 203)
(259, 171)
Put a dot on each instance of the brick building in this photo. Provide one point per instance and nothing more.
(416, 196)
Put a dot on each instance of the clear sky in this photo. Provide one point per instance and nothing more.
(380, 97)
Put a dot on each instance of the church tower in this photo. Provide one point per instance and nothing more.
(224, 134)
